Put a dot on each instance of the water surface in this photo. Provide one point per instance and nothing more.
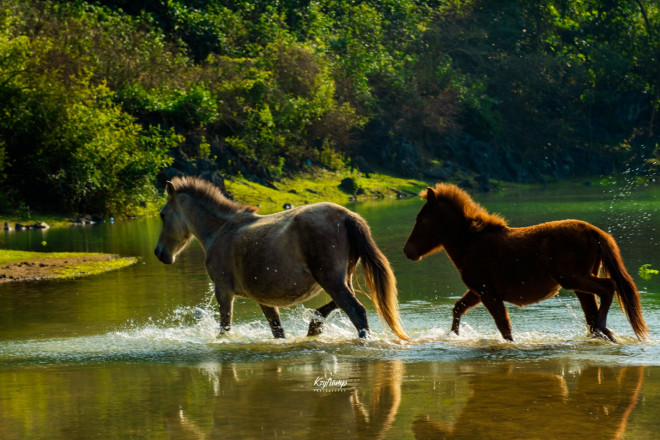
(136, 353)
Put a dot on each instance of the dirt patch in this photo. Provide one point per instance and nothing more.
(70, 267)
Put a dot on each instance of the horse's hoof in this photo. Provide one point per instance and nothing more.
(224, 330)
(604, 334)
(364, 333)
(315, 328)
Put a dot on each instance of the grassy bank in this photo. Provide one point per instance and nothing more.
(311, 187)
(23, 265)
(320, 186)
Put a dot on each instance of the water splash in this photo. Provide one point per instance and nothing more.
(625, 215)
(193, 335)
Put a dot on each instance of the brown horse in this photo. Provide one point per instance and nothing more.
(279, 259)
(523, 265)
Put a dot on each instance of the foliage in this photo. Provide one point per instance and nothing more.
(93, 93)
(69, 146)
(646, 273)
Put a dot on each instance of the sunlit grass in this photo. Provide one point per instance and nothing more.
(94, 267)
(320, 186)
(69, 264)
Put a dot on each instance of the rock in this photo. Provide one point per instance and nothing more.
(482, 183)
(349, 185)
(170, 173)
(203, 167)
(442, 173)
(215, 178)
(465, 184)
(362, 164)
(287, 206)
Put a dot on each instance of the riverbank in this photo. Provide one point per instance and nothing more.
(30, 266)
(312, 187)
(321, 186)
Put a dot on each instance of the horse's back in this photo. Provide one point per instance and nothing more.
(528, 263)
(272, 257)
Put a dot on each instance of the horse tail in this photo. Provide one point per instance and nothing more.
(627, 293)
(377, 272)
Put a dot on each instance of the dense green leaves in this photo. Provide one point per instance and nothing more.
(66, 144)
(93, 93)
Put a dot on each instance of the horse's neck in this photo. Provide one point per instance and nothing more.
(455, 244)
(204, 222)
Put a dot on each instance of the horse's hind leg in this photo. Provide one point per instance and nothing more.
(316, 324)
(604, 288)
(273, 316)
(469, 300)
(344, 298)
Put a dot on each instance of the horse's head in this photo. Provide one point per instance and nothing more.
(174, 236)
(450, 214)
(426, 235)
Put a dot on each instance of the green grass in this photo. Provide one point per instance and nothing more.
(9, 256)
(315, 186)
(94, 267)
(319, 186)
(73, 269)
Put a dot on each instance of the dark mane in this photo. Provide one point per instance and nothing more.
(479, 218)
(207, 192)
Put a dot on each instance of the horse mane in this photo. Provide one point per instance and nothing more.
(478, 217)
(207, 192)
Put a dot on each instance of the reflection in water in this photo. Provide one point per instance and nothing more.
(278, 399)
(510, 405)
(362, 402)
(368, 400)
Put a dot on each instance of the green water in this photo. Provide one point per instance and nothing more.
(136, 353)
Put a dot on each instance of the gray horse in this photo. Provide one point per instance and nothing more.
(278, 259)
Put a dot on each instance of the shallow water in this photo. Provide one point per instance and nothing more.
(137, 353)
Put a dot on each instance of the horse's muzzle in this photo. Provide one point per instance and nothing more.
(163, 256)
(411, 253)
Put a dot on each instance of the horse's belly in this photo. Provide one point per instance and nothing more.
(530, 293)
(279, 291)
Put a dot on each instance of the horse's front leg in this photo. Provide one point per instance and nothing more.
(498, 311)
(469, 300)
(273, 316)
(316, 324)
(226, 304)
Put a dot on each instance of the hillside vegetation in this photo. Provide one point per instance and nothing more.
(98, 98)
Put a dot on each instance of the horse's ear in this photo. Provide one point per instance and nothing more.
(169, 190)
(430, 195)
